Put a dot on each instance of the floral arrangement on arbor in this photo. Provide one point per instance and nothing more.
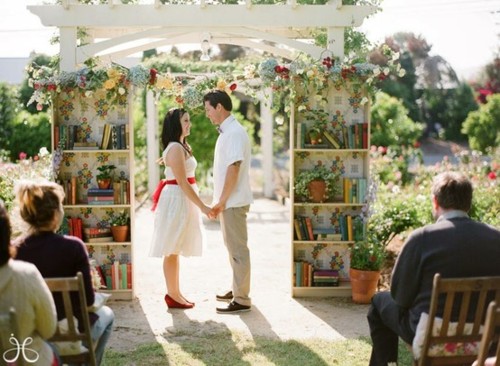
(316, 76)
(188, 90)
(116, 81)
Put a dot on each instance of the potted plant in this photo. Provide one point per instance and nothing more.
(120, 226)
(320, 119)
(318, 184)
(367, 259)
(105, 176)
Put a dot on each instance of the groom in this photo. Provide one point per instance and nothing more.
(232, 196)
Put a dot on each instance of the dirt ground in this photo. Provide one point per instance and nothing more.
(275, 314)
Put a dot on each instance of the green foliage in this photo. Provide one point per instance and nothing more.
(390, 124)
(105, 171)
(483, 126)
(395, 215)
(29, 133)
(119, 219)
(460, 102)
(8, 106)
(393, 164)
(319, 172)
(402, 88)
(449, 108)
(368, 255)
(32, 168)
(140, 151)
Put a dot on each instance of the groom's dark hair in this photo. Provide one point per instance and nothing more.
(215, 97)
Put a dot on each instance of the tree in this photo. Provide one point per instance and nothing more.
(30, 133)
(483, 126)
(8, 110)
(391, 125)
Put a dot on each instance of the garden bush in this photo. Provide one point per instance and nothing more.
(483, 126)
(390, 124)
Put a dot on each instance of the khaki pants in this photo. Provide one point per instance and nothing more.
(234, 231)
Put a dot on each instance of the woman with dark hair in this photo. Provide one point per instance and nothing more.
(178, 225)
(23, 288)
(40, 206)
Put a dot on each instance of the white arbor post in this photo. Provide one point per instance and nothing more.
(67, 48)
(266, 125)
(152, 141)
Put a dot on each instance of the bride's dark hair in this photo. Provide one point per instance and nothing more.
(172, 128)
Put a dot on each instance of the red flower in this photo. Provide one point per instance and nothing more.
(278, 69)
(51, 87)
(416, 144)
(492, 175)
(233, 87)
(152, 76)
(179, 99)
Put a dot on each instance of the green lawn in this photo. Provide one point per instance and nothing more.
(235, 349)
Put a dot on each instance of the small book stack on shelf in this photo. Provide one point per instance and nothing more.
(325, 278)
(97, 234)
(97, 196)
(115, 276)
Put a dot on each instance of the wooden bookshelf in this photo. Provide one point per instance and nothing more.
(78, 129)
(348, 154)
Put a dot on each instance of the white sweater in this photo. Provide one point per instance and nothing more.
(23, 287)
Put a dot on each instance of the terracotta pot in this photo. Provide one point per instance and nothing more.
(317, 191)
(364, 285)
(104, 183)
(120, 233)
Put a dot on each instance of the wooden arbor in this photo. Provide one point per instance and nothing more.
(115, 30)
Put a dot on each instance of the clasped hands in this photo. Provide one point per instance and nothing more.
(213, 212)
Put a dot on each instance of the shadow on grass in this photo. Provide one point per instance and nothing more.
(125, 332)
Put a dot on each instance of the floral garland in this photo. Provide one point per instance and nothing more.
(188, 91)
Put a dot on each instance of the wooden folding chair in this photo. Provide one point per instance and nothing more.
(491, 334)
(455, 339)
(8, 329)
(65, 286)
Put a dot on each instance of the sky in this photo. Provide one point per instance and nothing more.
(466, 33)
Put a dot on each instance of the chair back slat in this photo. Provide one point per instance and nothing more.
(66, 286)
(491, 334)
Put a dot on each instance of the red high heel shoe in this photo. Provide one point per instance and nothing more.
(172, 304)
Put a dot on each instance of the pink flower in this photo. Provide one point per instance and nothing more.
(22, 155)
(35, 158)
(492, 175)
(39, 107)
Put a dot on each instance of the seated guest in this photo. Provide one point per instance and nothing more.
(55, 255)
(454, 246)
(22, 287)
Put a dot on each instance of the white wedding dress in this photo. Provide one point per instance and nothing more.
(178, 223)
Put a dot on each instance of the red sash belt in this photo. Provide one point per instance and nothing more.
(191, 180)
(156, 196)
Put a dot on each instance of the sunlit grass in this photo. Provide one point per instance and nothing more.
(235, 349)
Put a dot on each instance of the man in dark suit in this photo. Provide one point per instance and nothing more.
(454, 246)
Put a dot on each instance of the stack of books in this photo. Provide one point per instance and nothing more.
(97, 234)
(325, 278)
(97, 196)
